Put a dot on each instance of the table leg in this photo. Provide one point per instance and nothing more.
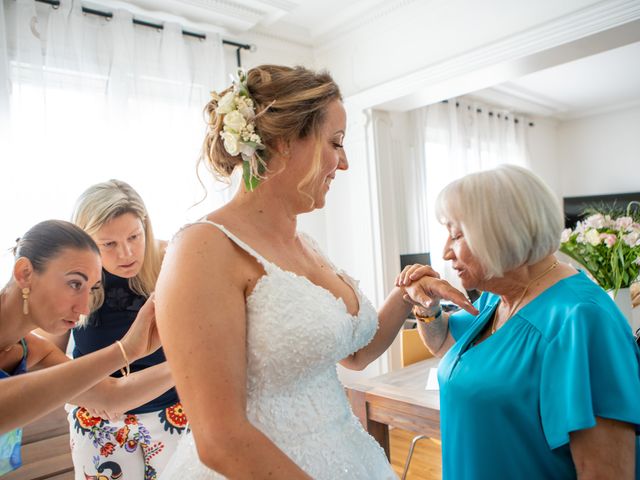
(380, 431)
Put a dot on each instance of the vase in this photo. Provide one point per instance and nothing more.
(623, 301)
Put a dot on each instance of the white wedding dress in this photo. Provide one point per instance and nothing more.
(296, 333)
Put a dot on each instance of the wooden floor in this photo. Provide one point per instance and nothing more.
(426, 463)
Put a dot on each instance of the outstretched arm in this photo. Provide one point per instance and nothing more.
(391, 316)
(203, 282)
(126, 393)
(426, 291)
(114, 394)
(27, 397)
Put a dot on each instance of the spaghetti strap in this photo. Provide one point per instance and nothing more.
(267, 265)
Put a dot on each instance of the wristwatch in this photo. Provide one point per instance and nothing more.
(424, 319)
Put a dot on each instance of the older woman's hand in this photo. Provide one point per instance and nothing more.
(424, 287)
(414, 272)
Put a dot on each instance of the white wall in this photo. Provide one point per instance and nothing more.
(600, 154)
(542, 144)
(269, 49)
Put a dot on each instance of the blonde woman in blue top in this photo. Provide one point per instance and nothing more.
(545, 381)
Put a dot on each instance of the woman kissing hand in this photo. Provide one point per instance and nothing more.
(424, 287)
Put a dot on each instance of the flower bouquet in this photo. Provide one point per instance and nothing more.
(607, 244)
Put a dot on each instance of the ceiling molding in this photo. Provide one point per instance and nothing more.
(138, 11)
(329, 37)
(224, 14)
(534, 98)
(591, 112)
(217, 8)
(503, 56)
(273, 10)
(283, 36)
(525, 105)
(284, 5)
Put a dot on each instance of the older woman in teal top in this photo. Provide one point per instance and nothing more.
(545, 382)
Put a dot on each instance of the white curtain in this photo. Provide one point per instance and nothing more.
(84, 99)
(451, 140)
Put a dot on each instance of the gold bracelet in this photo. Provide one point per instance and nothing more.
(126, 370)
(422, 318)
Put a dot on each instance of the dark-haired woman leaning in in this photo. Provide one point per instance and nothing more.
(56, 271)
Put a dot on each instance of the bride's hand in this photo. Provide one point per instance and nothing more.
(427, 292)
(415, 272)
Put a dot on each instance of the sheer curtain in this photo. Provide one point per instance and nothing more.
(451, 140)
(84, 99)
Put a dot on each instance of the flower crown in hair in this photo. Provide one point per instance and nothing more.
(239, 130)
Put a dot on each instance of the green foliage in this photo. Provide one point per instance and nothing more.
(607, 244)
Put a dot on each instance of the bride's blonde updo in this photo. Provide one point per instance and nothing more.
(290, 103)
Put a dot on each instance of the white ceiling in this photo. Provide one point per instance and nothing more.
(605, 81)
(307, 22)
(594, 84)
(320, 17)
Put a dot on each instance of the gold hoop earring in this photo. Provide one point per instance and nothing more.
(25, 300)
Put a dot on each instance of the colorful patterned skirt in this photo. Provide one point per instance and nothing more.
(136, 447)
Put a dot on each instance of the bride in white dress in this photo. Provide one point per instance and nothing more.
(253, 317)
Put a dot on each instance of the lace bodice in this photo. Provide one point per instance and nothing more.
(296, 333)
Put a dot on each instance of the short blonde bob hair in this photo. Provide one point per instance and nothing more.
(105, 201)
(509, 217)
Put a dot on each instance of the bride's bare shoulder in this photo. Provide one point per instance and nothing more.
(201, 242)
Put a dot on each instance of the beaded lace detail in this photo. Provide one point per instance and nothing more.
(296, 333)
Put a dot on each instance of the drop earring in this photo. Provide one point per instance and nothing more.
(25, 300)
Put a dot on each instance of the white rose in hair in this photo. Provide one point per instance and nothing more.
(231, 143)
(244, 108)
(247, 150)
(227, 103)
(235, 121)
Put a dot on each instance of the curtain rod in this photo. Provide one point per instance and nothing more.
(158, 26)
(479, 110)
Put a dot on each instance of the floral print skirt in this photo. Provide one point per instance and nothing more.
(136, 447)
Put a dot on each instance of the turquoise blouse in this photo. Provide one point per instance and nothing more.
(10, 457)
(507, 404)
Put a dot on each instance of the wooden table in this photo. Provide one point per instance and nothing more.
(397, 399)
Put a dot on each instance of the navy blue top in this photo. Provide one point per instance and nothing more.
(508, 404)
(21, 367)
(109, 323)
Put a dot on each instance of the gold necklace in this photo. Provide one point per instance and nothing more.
(524, 292)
